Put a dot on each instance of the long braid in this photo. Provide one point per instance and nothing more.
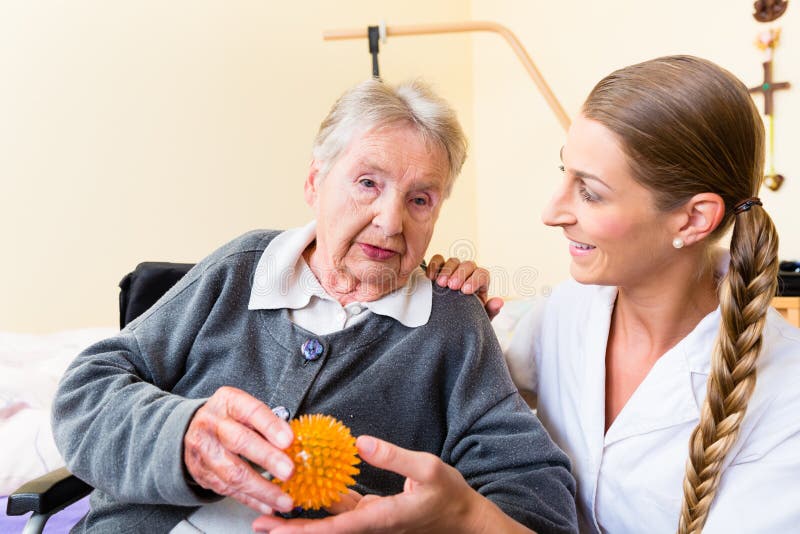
(745, 296)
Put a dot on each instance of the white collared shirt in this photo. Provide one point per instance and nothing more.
(283, 279)
(630, 477)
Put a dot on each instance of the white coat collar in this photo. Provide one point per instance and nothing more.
(668, 395)
(593, 348)
(665, 398)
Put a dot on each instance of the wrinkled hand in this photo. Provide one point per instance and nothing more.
(436, 498)
(230, 428)
(467, 277)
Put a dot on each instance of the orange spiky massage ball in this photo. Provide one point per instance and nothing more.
(324, 456)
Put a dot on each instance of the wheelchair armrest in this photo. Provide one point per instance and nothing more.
(48, 493)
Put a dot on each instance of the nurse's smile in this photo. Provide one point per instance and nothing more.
(576, 248)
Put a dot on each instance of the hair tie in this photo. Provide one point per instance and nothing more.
(746, 204)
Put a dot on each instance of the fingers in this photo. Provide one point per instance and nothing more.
(418, 466)
(250, 502)
(434, 266)
(274, 524)
(447, 270)
(252, 412)
(349, 501)
(451, 273)
(463, 272)
(243, 441)
(278, 525)
(233, 477)
(231, 428)
(493, 307)
(372, 519)
(455, 274)
(467, 277)
(476, 280)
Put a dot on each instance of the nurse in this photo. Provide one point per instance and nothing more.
(660, 369)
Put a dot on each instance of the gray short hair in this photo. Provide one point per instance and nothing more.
(372, 104)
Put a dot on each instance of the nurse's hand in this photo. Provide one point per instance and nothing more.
(435, 498)
(467, 277)
(229, 429)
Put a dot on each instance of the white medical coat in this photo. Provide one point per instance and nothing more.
(630, 478)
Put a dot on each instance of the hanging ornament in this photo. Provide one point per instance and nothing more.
(767, 41)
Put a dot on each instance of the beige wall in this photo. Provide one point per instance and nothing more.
(158, 130)
(575, 43)
(134, 131)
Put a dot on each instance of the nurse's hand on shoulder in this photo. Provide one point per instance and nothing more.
(467, 277)
(229, 429)
(435, 498)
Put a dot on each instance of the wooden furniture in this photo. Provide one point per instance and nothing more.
(789, 307)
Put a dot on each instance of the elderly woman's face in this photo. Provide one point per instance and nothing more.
(376, 209)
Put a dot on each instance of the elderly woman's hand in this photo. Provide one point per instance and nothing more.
(435, 498)
(230, 428)
(467, 277)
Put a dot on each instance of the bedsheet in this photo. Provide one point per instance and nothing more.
(30, 367)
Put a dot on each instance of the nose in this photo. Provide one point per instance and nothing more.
(558, 211)
(389, 215)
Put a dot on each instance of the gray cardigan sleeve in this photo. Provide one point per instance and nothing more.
(519, 469)
(114, 418)
(498, 444)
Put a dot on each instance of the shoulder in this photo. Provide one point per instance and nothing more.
(242, 251)
(780, 332)
(456, 304)
(459, 320)
(456, 315)
(254, 241)
(780, 357)
(773, 412)
(521, 321)
(230, 266)
(571, 304)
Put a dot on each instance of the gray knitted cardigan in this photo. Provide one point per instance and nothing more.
(123, 405)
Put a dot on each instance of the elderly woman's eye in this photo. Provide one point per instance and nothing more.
(366, 182)
(420, 201)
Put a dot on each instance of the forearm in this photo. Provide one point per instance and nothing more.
(120, 433)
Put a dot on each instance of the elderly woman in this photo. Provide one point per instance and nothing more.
(335, 317)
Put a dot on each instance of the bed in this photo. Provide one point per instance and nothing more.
(30, 366)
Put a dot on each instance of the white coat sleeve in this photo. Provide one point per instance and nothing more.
(521, 345)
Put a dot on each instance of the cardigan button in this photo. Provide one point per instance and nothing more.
(281, 412)
(312, 349)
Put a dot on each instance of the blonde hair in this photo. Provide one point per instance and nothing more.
(373, 104)
(688, 126)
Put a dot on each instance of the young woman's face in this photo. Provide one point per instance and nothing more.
(616, 234)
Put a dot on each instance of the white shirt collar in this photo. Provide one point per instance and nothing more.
(284, 280)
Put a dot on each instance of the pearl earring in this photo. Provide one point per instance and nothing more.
(678, 242)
